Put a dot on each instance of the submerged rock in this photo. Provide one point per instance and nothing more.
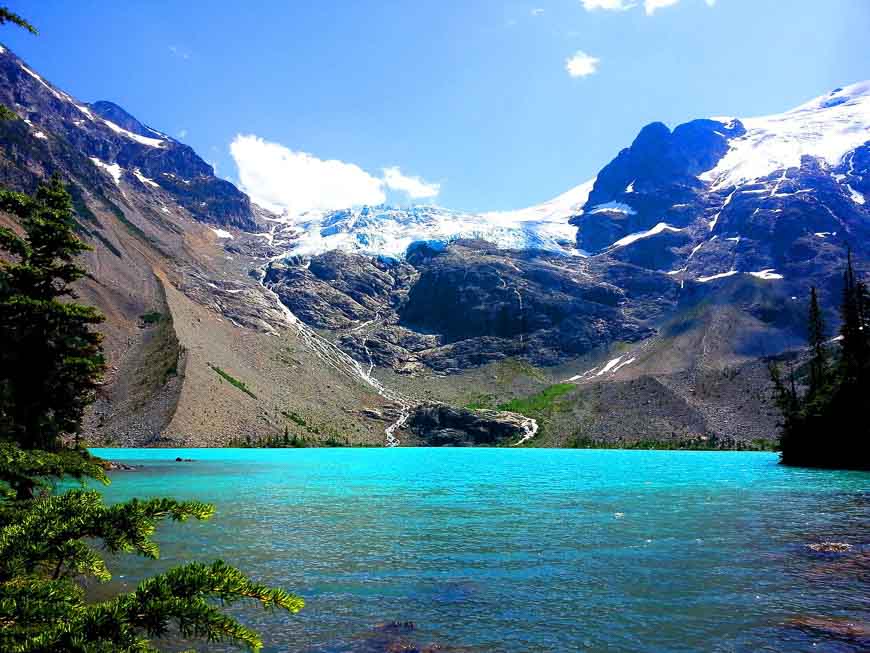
(830, 547)
(112, 466)
(388, 637)
(848, 630)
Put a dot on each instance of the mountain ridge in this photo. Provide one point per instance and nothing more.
(647, 283)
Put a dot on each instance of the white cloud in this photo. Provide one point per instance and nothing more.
(651, 6)
(177, 51)
(282, 179)
(610, 5)
(537, 12)
(581, 64)
(414, 187)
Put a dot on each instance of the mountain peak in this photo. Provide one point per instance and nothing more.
(118, 115)
(827, 128)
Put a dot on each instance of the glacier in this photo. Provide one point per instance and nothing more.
(826, 128)
(389, 231)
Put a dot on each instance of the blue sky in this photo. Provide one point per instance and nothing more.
(473, 104)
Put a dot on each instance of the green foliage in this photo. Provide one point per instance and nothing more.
(49, 543)
(7, 16)
(152, 317)
(296, 418)
(50, 362)
(233, 381)
(676, 444)
(479, 401)
(825, 425)
(541, 402)
(23, 472)
(7, 114)
(288, 441)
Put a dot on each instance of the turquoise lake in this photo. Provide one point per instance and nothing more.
(527, 550)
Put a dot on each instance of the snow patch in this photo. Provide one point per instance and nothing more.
(85, 111)
(222, 233)
(628, 240)
(40, 135)
(767, 274)
(114, 170)
(610, 365)
(857, 197)
(721, 275)
(60, 96)
(613, 207)
(827, 128)
(623, 364)
(151, 142)
(144, 179)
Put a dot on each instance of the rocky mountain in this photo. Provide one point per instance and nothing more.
(187, 322)
(639, 306)
(117, 145)
(776, 199)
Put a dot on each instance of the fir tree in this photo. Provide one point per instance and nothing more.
(7, 16)
(856, 339)
(50, 362)
(826, 425)
(817, 337)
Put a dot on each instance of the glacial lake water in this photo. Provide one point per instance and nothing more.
(524, 550)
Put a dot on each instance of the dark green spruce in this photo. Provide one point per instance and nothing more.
(51, 542)
(823, 402)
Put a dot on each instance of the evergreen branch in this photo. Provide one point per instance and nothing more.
(7, 16)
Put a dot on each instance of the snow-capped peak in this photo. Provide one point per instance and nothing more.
(826, 127)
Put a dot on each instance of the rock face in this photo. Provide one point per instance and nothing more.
(690, 254)
(468, 304)
(439, 425)
(672, 221)
(649, 179)
(97, 143)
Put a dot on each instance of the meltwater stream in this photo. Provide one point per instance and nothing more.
(525, 550)
(334, 357)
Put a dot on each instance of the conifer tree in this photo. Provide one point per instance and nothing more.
(826, 425)
(7, 16)
(50, 362)
(856, 339)
(817, 337)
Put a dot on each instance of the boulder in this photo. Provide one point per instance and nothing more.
(440, 425)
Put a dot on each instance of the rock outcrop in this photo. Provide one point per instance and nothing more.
(440, 425)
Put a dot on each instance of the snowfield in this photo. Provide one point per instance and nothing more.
(388, 231)
(827, 127)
